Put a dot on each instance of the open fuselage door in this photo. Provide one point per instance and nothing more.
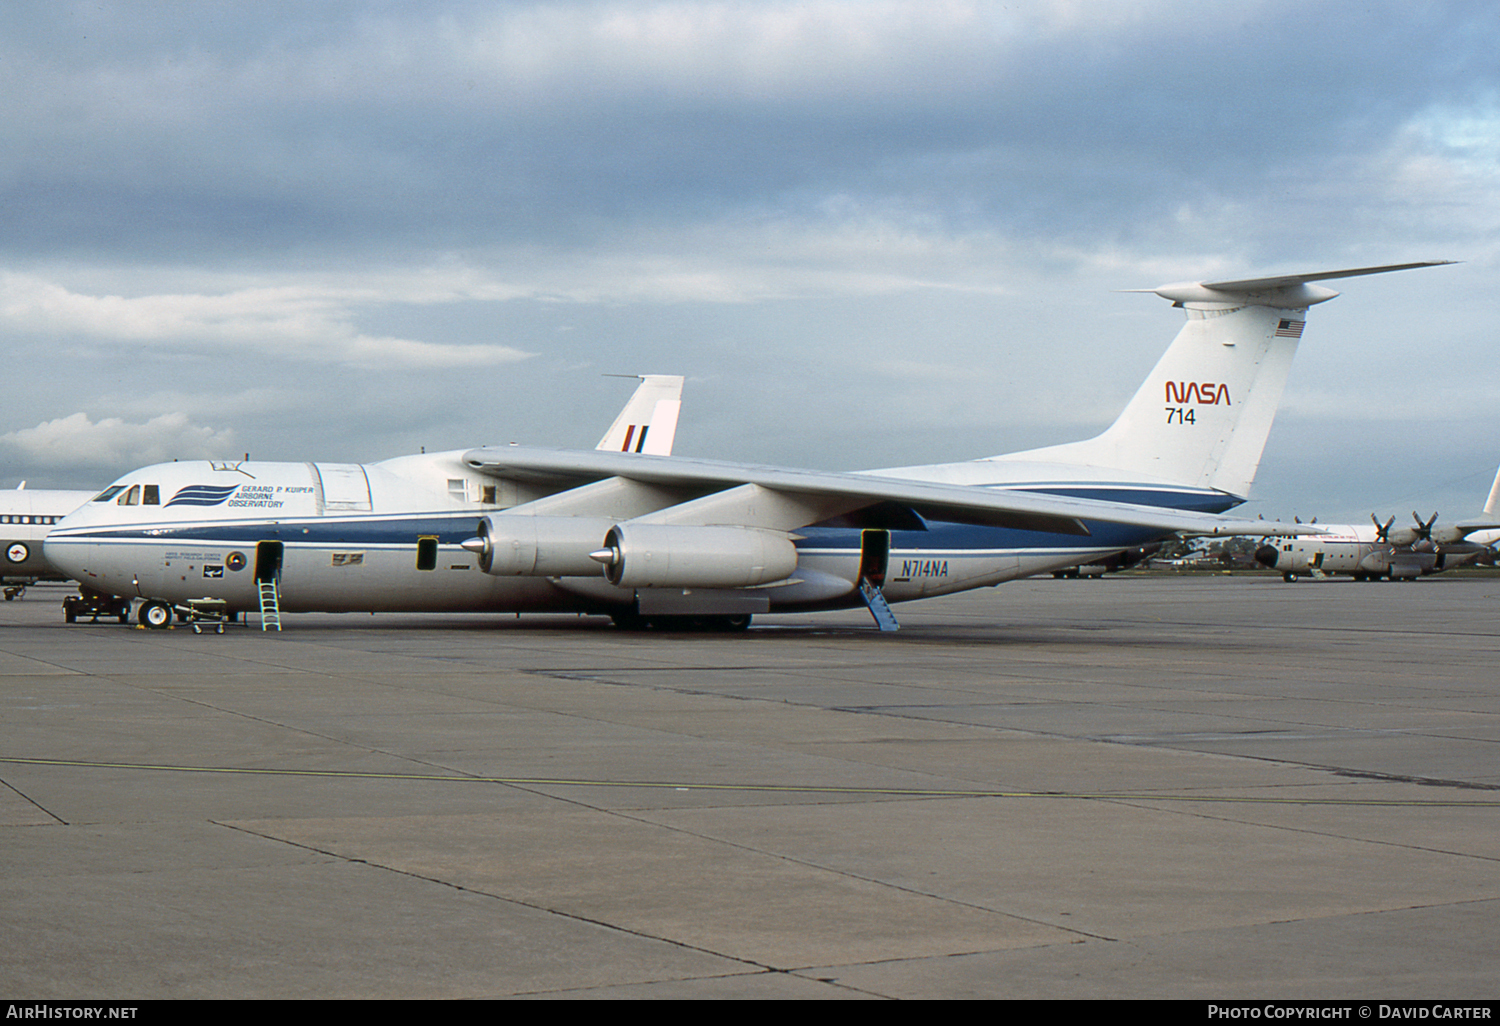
(268, 558)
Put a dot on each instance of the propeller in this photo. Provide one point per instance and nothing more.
(1424, 531)
(1400, 537)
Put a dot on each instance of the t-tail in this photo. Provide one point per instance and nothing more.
(648, 423)
(1203, 415)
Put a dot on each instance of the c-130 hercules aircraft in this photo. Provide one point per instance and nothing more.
(651, 539)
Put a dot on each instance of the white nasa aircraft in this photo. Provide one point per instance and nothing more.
(1371, 551)
(650, 539)
(26, 517)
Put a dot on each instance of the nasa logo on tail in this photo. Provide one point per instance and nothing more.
(1207, 393)
(202, 495)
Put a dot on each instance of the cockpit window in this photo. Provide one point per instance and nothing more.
(109, 493)
(150, 495)
(130, 498)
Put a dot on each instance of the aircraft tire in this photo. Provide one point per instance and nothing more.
(689, 623)
(1289, 578)
(155, 615)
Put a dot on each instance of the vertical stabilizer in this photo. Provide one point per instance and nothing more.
(1492, 504)
(648, 423)
(1204, 413)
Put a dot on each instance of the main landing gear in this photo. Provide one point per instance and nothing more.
(719, 624)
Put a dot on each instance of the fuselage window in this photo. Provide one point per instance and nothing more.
(458, 488)
(151, 495)
(487, 495)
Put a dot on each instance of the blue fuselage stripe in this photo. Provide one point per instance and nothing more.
(454, 528)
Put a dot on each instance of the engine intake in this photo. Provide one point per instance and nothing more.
(668, 556)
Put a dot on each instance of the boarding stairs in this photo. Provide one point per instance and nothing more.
(880, 609)
(270, 606)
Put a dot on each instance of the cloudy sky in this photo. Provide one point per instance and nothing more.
(870, 232)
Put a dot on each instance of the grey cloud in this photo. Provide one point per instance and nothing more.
(792, 202)
(441, 126)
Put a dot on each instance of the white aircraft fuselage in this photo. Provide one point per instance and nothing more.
(631, 531)
(388, 537)
(27, 516)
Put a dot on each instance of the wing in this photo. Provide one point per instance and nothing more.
(709, 492)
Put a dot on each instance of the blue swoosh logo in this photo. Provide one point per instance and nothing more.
(202, 495)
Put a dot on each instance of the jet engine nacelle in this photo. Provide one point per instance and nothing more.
(669, 556)
(526, 546)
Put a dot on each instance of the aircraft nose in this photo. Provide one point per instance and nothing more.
(1267, 555)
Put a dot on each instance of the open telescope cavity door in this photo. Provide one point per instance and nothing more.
(874, 556)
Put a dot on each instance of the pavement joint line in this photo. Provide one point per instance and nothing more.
(681, 785)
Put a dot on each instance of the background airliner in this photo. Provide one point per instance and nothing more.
(27, 515)
(656, 540)
(1371, 551)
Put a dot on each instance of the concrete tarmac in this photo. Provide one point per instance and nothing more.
(1198, 787)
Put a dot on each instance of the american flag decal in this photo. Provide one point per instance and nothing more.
(1288, 328)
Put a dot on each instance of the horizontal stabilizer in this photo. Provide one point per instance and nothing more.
(1285, 291)
(1285, 280)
